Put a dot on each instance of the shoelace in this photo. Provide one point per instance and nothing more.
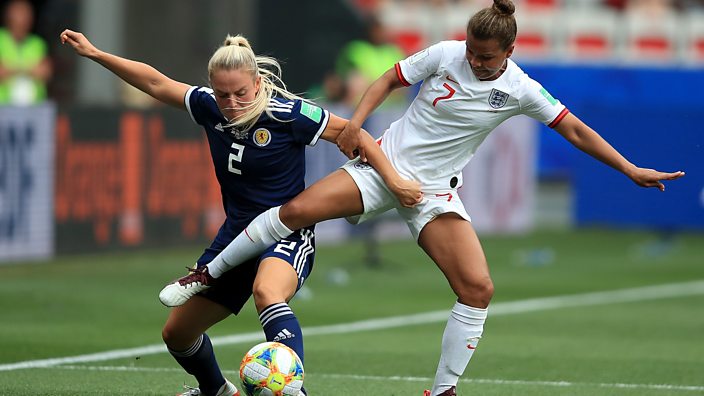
(195, 275)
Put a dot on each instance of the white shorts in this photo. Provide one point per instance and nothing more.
(377, 199)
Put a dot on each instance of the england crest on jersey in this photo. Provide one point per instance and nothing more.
(497, 99)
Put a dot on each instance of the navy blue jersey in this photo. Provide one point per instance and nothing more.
(261, 167)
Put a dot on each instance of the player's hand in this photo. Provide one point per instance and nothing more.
(348, 141)
(79, 42)
(408, 192)
(652, 178)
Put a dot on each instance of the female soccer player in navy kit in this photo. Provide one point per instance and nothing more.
(469, 87)
(257, 132)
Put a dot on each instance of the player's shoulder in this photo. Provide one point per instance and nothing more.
(516, 78)
(453, 46)
(452, 49)
(201, 93)
(200, 103)
(452, 53)
(442, 51)
(276, 103)
(513, 71)
(282, 107)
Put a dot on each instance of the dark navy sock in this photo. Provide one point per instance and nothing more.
(281, 325)
(199, 361)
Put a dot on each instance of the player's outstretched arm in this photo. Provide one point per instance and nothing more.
(137, 74)
(587, 140)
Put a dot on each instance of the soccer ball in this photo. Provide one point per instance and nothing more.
(271, 369)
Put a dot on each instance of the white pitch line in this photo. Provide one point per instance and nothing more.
(657, 292)
(492, 381)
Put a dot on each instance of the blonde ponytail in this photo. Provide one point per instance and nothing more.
(236, 54)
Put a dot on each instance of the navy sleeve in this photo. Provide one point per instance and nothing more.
(197, 100)
(308, 121)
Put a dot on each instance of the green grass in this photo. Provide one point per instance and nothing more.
(85, 304)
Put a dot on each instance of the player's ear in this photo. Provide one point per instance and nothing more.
(509, 51)
(257, 83)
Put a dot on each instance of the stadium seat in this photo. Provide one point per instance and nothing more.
(651, 37)
(589, 33)
(536, 34)
(540, 4)
(407, 25)
(410, 41)
(693, 40)
(456, 18)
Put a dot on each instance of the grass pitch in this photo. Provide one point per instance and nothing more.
(90, 324)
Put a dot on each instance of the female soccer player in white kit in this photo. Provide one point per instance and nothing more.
(469, 87)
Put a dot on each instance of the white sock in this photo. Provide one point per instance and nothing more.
(265, 230)
(462, 333)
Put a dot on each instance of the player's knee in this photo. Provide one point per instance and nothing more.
(477, 294)
(173, 338)
(265, 294)
(294, 214)
(487, 291)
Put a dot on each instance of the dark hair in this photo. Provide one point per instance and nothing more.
(495, 22)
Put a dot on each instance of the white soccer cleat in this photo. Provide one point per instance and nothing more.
(177, 293)
(228, 389)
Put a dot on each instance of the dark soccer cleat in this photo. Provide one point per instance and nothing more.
(449, 392)
(178, 292)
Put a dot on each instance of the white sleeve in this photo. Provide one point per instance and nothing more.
(537, 103)
(420, 65)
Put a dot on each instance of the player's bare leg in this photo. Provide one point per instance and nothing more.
(454, 246)
(187, 322)
(274, 286)
(332, 197)
(276, 282)
(184, 335)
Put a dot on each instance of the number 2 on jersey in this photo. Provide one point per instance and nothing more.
(234, 158)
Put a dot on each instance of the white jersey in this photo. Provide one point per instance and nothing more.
(454, 112)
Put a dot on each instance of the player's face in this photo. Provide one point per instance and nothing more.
(234, 91)
(486, 57)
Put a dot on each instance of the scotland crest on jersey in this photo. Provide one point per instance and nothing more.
(262, 137)
(497, 99)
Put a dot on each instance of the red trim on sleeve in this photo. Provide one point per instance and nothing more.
(559, 118)
(400, 75)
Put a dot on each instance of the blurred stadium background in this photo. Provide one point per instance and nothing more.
(99, 182)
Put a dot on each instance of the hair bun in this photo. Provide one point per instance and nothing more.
(238, 41)
(504, 7)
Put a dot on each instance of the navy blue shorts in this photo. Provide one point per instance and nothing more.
(235, 286)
